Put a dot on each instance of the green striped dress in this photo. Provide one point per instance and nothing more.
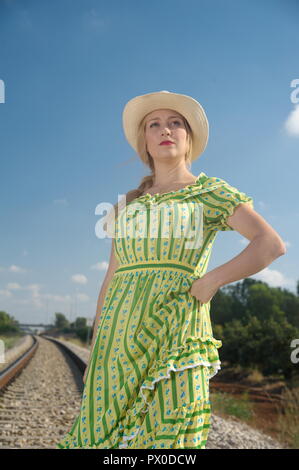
(147, 384)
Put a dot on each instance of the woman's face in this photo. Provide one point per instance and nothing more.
(165, 124)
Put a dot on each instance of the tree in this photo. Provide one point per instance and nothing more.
(80, 322)
(61, 321)
(261, 344)
(8, 323)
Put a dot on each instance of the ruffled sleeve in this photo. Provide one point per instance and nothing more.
(220, 202)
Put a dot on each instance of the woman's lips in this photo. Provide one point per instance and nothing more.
(167, 143)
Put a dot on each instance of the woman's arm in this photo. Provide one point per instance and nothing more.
(264, 247)
(113, 265)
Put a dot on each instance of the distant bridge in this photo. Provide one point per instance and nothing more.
(34, 327)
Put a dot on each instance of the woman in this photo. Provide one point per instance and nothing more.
(153, 351)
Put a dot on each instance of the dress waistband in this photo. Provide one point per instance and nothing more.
(158, 264)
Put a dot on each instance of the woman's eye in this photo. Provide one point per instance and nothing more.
(173, 122)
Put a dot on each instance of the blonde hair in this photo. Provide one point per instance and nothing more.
(147, 181)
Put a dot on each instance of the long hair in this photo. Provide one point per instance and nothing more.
(147, 181)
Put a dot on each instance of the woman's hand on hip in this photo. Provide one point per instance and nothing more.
(203, 289)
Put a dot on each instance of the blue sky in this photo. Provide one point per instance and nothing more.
(68, 67)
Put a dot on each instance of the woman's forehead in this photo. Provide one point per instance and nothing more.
(161, 112)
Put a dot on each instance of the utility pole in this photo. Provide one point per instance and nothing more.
(47, 312)
(70, 315)
(76, 313)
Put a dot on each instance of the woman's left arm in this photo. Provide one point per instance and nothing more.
(264, 247)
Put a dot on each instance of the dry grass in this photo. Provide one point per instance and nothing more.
(288, 418)
(75, 341)
(255, 376)
(10, 340)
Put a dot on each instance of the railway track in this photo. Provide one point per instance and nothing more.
(40, 395)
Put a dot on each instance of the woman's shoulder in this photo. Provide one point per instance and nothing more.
(214, 190)
(208, 183)
(207, 180)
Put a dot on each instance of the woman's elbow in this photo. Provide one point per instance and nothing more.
(273, 244)
(283, 249)
(280, 248)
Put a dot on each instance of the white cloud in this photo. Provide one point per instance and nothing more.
(33, 287)
(16, 269)
(30, 298)
(101, 266)
(291, 124)
(36, 298)
(13, 285)
(5, 293)
(274, 278)
(79, 279)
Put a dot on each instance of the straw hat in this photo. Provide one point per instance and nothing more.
(135, 110)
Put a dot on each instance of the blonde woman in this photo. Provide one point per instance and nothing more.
(153, 350)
